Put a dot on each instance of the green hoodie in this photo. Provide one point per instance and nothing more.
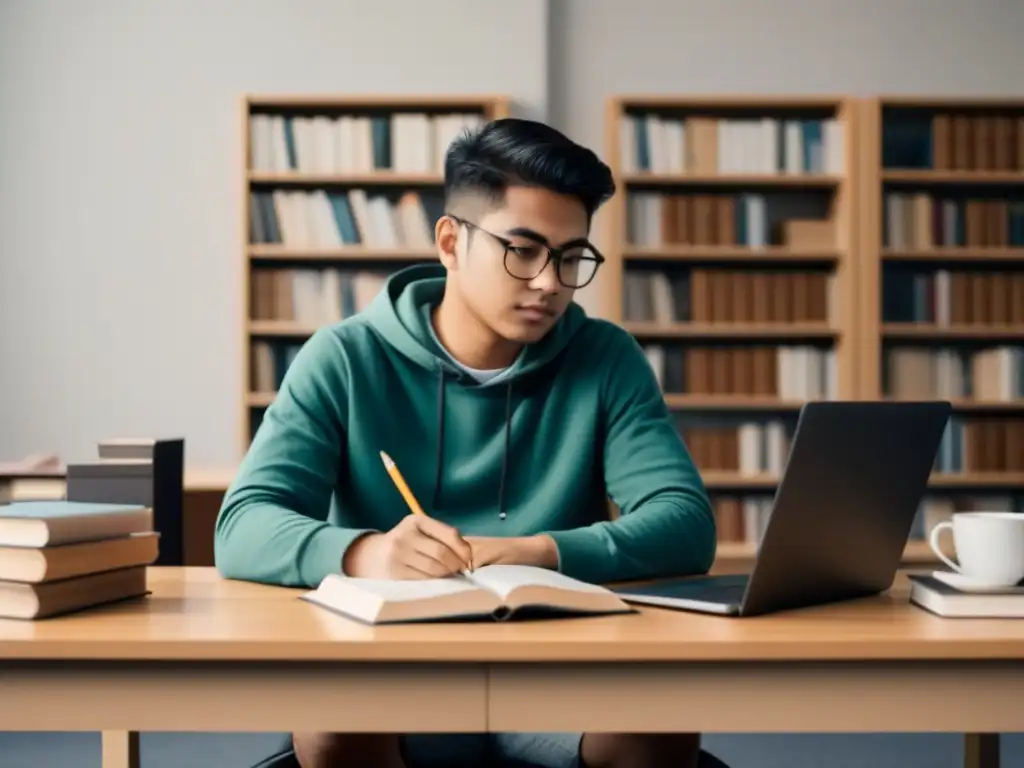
(578, 418)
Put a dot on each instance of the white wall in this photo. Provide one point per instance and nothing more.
(862, 47)
(120, 180)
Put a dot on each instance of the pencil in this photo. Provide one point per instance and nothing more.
(399, 481)
(403, 488)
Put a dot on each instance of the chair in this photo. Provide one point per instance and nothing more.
(284, 757)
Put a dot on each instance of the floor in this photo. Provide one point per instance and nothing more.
(186, 750)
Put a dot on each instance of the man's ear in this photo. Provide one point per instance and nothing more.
(446, 235)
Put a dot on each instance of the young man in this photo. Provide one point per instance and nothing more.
(512, 416)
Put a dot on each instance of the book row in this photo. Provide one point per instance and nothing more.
(752, 447)
(923, 221)
(796, 220)
(312, 297)
(708, 295)
(982, 444)
(788, 373)
(742, 518)
(953, 140)
(702, 144)
(993, 374)
(406, 142)
(952, 297)
(744, 446)
(330, 219)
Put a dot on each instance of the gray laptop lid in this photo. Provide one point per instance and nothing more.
(846, 503)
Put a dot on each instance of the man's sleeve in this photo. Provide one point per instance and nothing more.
(667, 525)
(272, 524)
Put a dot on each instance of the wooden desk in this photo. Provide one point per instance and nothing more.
(206, 654)
(204, 489)
(210, 479)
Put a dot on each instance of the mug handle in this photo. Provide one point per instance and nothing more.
(933, 542)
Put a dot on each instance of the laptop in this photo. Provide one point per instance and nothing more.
(841, 516)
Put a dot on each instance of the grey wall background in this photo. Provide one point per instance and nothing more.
(120, 188)
(120, 164)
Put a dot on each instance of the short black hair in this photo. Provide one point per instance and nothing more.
(515, 151)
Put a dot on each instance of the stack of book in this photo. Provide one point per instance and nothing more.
(146, 472)
(33, 478)
(57, 557)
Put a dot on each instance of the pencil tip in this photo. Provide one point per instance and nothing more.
(385, 458)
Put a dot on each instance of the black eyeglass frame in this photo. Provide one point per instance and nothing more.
(553, 253)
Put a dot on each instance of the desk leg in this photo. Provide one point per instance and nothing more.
(981, 750)
(121, 749)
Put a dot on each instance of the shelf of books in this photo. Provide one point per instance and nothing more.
(731, 262)
(943, 285)
(340, 192)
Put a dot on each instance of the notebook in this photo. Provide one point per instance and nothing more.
(493, 592)
(940, 598)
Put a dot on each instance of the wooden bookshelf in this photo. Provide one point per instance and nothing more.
(731, 260)
(338, 193)
(942, 283)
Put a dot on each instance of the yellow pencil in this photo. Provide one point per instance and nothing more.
(399, 481)
(403, 488)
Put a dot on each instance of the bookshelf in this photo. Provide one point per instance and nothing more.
(732, 261)
(339, 193)
(942, 275)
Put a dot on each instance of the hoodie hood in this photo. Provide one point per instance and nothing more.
(400, 314)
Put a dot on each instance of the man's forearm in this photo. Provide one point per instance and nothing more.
(539, 551)
(671, 535)
(258, 540)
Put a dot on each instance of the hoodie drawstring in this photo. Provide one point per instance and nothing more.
(439, 466)
(505, 452)
(440, 438)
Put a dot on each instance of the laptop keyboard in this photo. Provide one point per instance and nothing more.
(728, 591)
(731, 594)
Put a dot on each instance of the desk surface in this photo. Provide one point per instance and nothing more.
(194, 614)
(209, 478)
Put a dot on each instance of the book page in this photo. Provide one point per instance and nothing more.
(401, 590)
(504, 579)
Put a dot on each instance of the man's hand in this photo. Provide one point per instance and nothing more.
(417, 548)
(538, 550)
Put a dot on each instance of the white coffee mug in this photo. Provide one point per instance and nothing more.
(989, 546)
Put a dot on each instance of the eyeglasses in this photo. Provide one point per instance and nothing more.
(576, 263)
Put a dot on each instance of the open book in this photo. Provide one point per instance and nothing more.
(491, 592)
